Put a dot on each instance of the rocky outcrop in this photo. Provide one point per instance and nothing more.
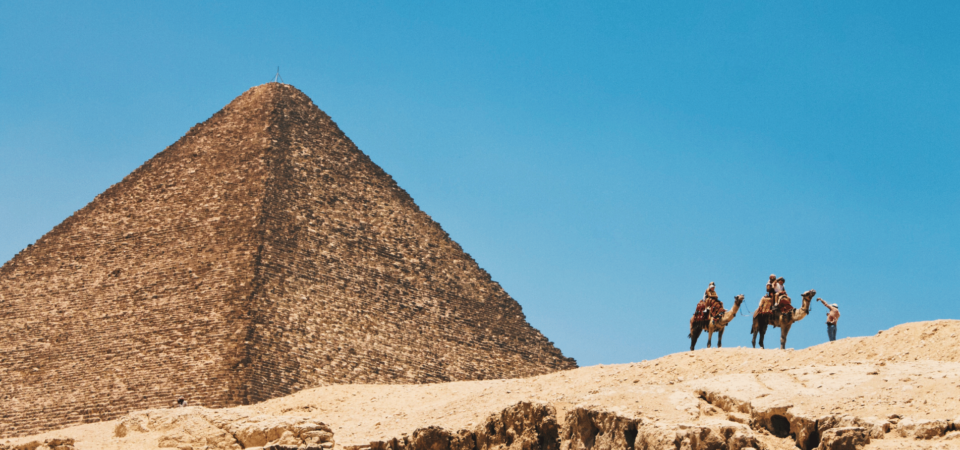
(535, 426)
(825, 431)
(530, 426)
(585, 429)
(846, 438)
(47, 444)
(520, 427)
(924, 429)
(524, 426)
(200, 428)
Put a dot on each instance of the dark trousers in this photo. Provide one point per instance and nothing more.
(832, 331)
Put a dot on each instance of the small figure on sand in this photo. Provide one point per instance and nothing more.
(833, 315)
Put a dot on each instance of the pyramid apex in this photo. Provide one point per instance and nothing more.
(273, 88)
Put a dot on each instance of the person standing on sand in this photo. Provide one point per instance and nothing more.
(832, 317)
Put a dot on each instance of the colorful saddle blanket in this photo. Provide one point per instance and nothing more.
(707, 309)
(784, 307)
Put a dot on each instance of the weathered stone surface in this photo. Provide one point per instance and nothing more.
(677, 436)
(585, 429)
(520, 427)
(848, 438)
(47, 444)
(528, 426)
(524, 426)
(923, 429)
(261, 254)
(210, 429)
(267, 431)
(876, 428)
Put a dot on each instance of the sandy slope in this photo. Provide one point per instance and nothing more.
(901, 382)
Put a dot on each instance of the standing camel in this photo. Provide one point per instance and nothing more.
(716, 323)
(784, 321)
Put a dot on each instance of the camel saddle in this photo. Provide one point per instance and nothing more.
(784, 306)
(706, 309)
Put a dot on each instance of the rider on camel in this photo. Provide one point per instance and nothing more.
(711, 292)
(767, 302)
(709, 301)
(782, 299)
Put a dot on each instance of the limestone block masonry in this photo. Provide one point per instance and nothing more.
(261, 254)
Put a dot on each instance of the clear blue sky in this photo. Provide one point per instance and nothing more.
(603, 161)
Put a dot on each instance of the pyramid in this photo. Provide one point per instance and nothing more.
(259, 255)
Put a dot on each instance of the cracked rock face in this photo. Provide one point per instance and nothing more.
(846, 438)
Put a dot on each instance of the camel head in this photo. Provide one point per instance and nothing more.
(807, 297)
(738, 300)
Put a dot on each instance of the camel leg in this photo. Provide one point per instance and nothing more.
(694, 334)
(709, 337)
(719, 337)
(763, 331)
(784, 329)
(759, 327)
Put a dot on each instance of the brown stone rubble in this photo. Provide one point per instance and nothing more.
(259, 255)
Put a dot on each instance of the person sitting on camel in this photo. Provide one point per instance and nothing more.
(712, 301)
(711, 292)
(782, 301)
(766, 303)
(709, 299)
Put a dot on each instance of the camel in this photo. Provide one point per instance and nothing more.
(784, 321)
(714, 325)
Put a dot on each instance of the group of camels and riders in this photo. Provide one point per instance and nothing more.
(775, 310)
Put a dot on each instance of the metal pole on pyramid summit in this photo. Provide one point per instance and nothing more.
(277, 78)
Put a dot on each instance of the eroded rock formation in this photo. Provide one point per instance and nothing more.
(46, 444)
(531, 426)
(201, 428)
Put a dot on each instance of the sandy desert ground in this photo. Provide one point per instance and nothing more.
(897, 389)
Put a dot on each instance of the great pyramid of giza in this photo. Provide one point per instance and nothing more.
(259, 255)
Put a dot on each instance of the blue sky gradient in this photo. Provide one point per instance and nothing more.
(603, 161)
